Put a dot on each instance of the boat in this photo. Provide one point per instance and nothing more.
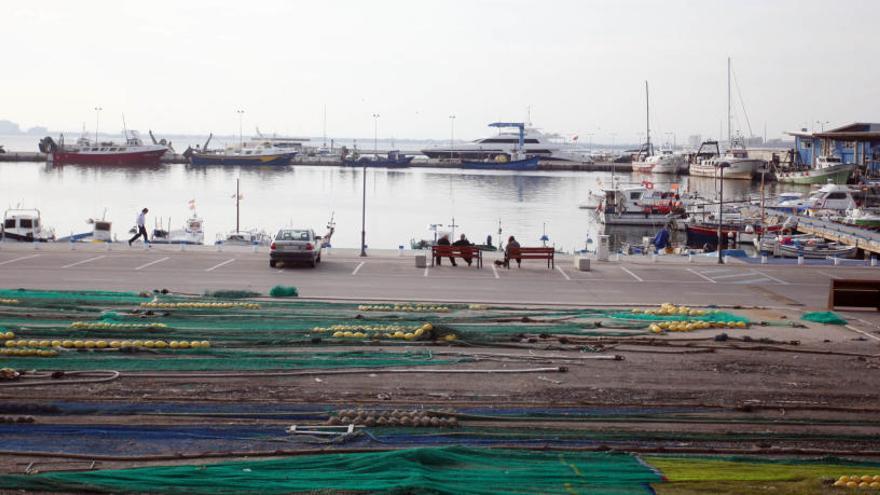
(700, 234)
(828, 169)
(816, 249)
(642, 162)
(644, 206)
(191, 233)
(262, 153)
(827, 197)
(736, 162)
(133, 152)
(25, 225)
(534, 143)
(517, 159)
(862, 217)
(394, 159)
(238, 237)
(100, 232)
(770, 243)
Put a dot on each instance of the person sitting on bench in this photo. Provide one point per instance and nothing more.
(463, 242)
(511, 245)
(444, 241)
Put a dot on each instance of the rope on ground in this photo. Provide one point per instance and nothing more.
(37, 379)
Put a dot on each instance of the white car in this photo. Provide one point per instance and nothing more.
(295, 245)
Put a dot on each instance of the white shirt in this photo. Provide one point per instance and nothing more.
(141, 219)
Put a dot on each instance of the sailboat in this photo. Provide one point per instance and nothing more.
(238, 237)
(642, 162)
(736, 162)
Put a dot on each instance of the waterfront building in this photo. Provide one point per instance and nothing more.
(857, 143)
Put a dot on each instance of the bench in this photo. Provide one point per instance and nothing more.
(854, 293)
(531, 253)
(463, 252)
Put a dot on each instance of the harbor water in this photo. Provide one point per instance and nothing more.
(401, 204)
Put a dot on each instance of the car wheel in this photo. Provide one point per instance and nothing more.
(272, 263)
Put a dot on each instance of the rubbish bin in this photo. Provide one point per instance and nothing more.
(603, 248)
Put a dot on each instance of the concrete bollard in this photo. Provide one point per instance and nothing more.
(873, 261)
(421, 261)
(653, 257)
(400, 250)
(582, 263)
(36, 245)
(763, 259)
(836, 261)
(219, 247)
(182, 246)
(109, 244)
(254, 248)
(800, 260)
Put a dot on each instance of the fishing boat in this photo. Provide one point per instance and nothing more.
(191, 233)
(238, 237)
(700, 234)
(100, 232)
(516, 160)
(644, 206)
(25, 225)
(394, 159)
(828, 169)
(828, 197)
(133, 152)
(868, 218)
(257, 154)
(816, 249)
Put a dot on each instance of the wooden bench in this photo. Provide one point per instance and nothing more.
(531, 253)
(854, 293)
(464, 252)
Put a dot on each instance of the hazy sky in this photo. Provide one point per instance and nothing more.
(186, 66)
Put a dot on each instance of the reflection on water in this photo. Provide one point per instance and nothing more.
(401, 204)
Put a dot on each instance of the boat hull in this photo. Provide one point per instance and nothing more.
(837, 174)
(739, 169)
(527, 164)
(365, 162)
(242, 161)
(136, 158)
(792, 251)
(635, 219)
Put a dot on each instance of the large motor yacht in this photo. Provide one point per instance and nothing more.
(535, 143)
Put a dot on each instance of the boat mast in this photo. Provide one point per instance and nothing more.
(729, 142)
(647, 121)
(325, 126)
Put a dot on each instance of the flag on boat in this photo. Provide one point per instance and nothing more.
(192, 204)
(574, 138)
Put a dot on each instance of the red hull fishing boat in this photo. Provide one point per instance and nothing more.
(85, 152)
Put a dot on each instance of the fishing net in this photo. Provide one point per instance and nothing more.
(826, 317)
(446, 470)
(749, 469)
(232, 294)
(283, 291)
(711, 316)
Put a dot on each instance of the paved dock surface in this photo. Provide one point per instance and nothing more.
(387, 275)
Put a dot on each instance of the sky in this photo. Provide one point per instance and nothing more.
(577, 67)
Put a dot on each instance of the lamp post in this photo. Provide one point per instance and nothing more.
(364, 177)
(375, 133)
(240, 131)
(721, 167)
(822, 124)
(613, 158)
(452, 136)
(97, 121)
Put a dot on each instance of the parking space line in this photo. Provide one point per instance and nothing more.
(19, 259)
(81, 262)
(357, 268)
(701, 275)
(752, 281)
(829, 275)
(771, 277)
(631, 273)
(218, 265)
(495, 271)
(426, 272)
(563, 273)
(735, 275)
(145, 265)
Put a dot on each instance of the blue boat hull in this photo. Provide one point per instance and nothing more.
(527, 164)
(242, 161)
(382, 163)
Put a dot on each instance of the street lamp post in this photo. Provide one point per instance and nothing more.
(375, 133)
(452, 136)
(364, 193)
(240, 130)
(97, 121)
(721, 167)
(613, 158)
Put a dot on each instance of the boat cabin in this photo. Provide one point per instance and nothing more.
(644, 199)
(828, 197)
(24, 225)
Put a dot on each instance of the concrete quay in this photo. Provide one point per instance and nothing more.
(388, 275)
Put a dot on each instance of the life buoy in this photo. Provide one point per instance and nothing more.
(648, 184)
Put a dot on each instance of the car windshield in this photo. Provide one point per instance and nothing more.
(293, 235)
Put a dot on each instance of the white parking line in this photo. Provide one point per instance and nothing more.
(771, 277)
(426, 271)
(701, 275)
(84, 261)
(563, 273)
(751, 281)
(218, 265)
(151, 263)
(829, 275)
(19, 259)
(495, 271)
(357, 268)
(631, 273)
(735, 275)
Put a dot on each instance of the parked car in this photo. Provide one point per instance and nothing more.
(295, 245)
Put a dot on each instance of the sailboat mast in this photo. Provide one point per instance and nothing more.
(237, 198)
(729, 142)
(647, 120)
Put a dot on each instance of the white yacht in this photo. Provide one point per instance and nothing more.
(737, 164)
(666, 162)
(505, 143)
(828, 197)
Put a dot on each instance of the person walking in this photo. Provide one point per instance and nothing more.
(141, 226)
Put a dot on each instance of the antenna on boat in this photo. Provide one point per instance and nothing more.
(325, 127)
(124, 128)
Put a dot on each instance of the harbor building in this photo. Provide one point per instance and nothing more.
(857, 143)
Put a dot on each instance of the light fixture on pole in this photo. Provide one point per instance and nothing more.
(452, 136)
(822, 124)
(376, 133)
(721, 167)
(240, 131)
(97, 121)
